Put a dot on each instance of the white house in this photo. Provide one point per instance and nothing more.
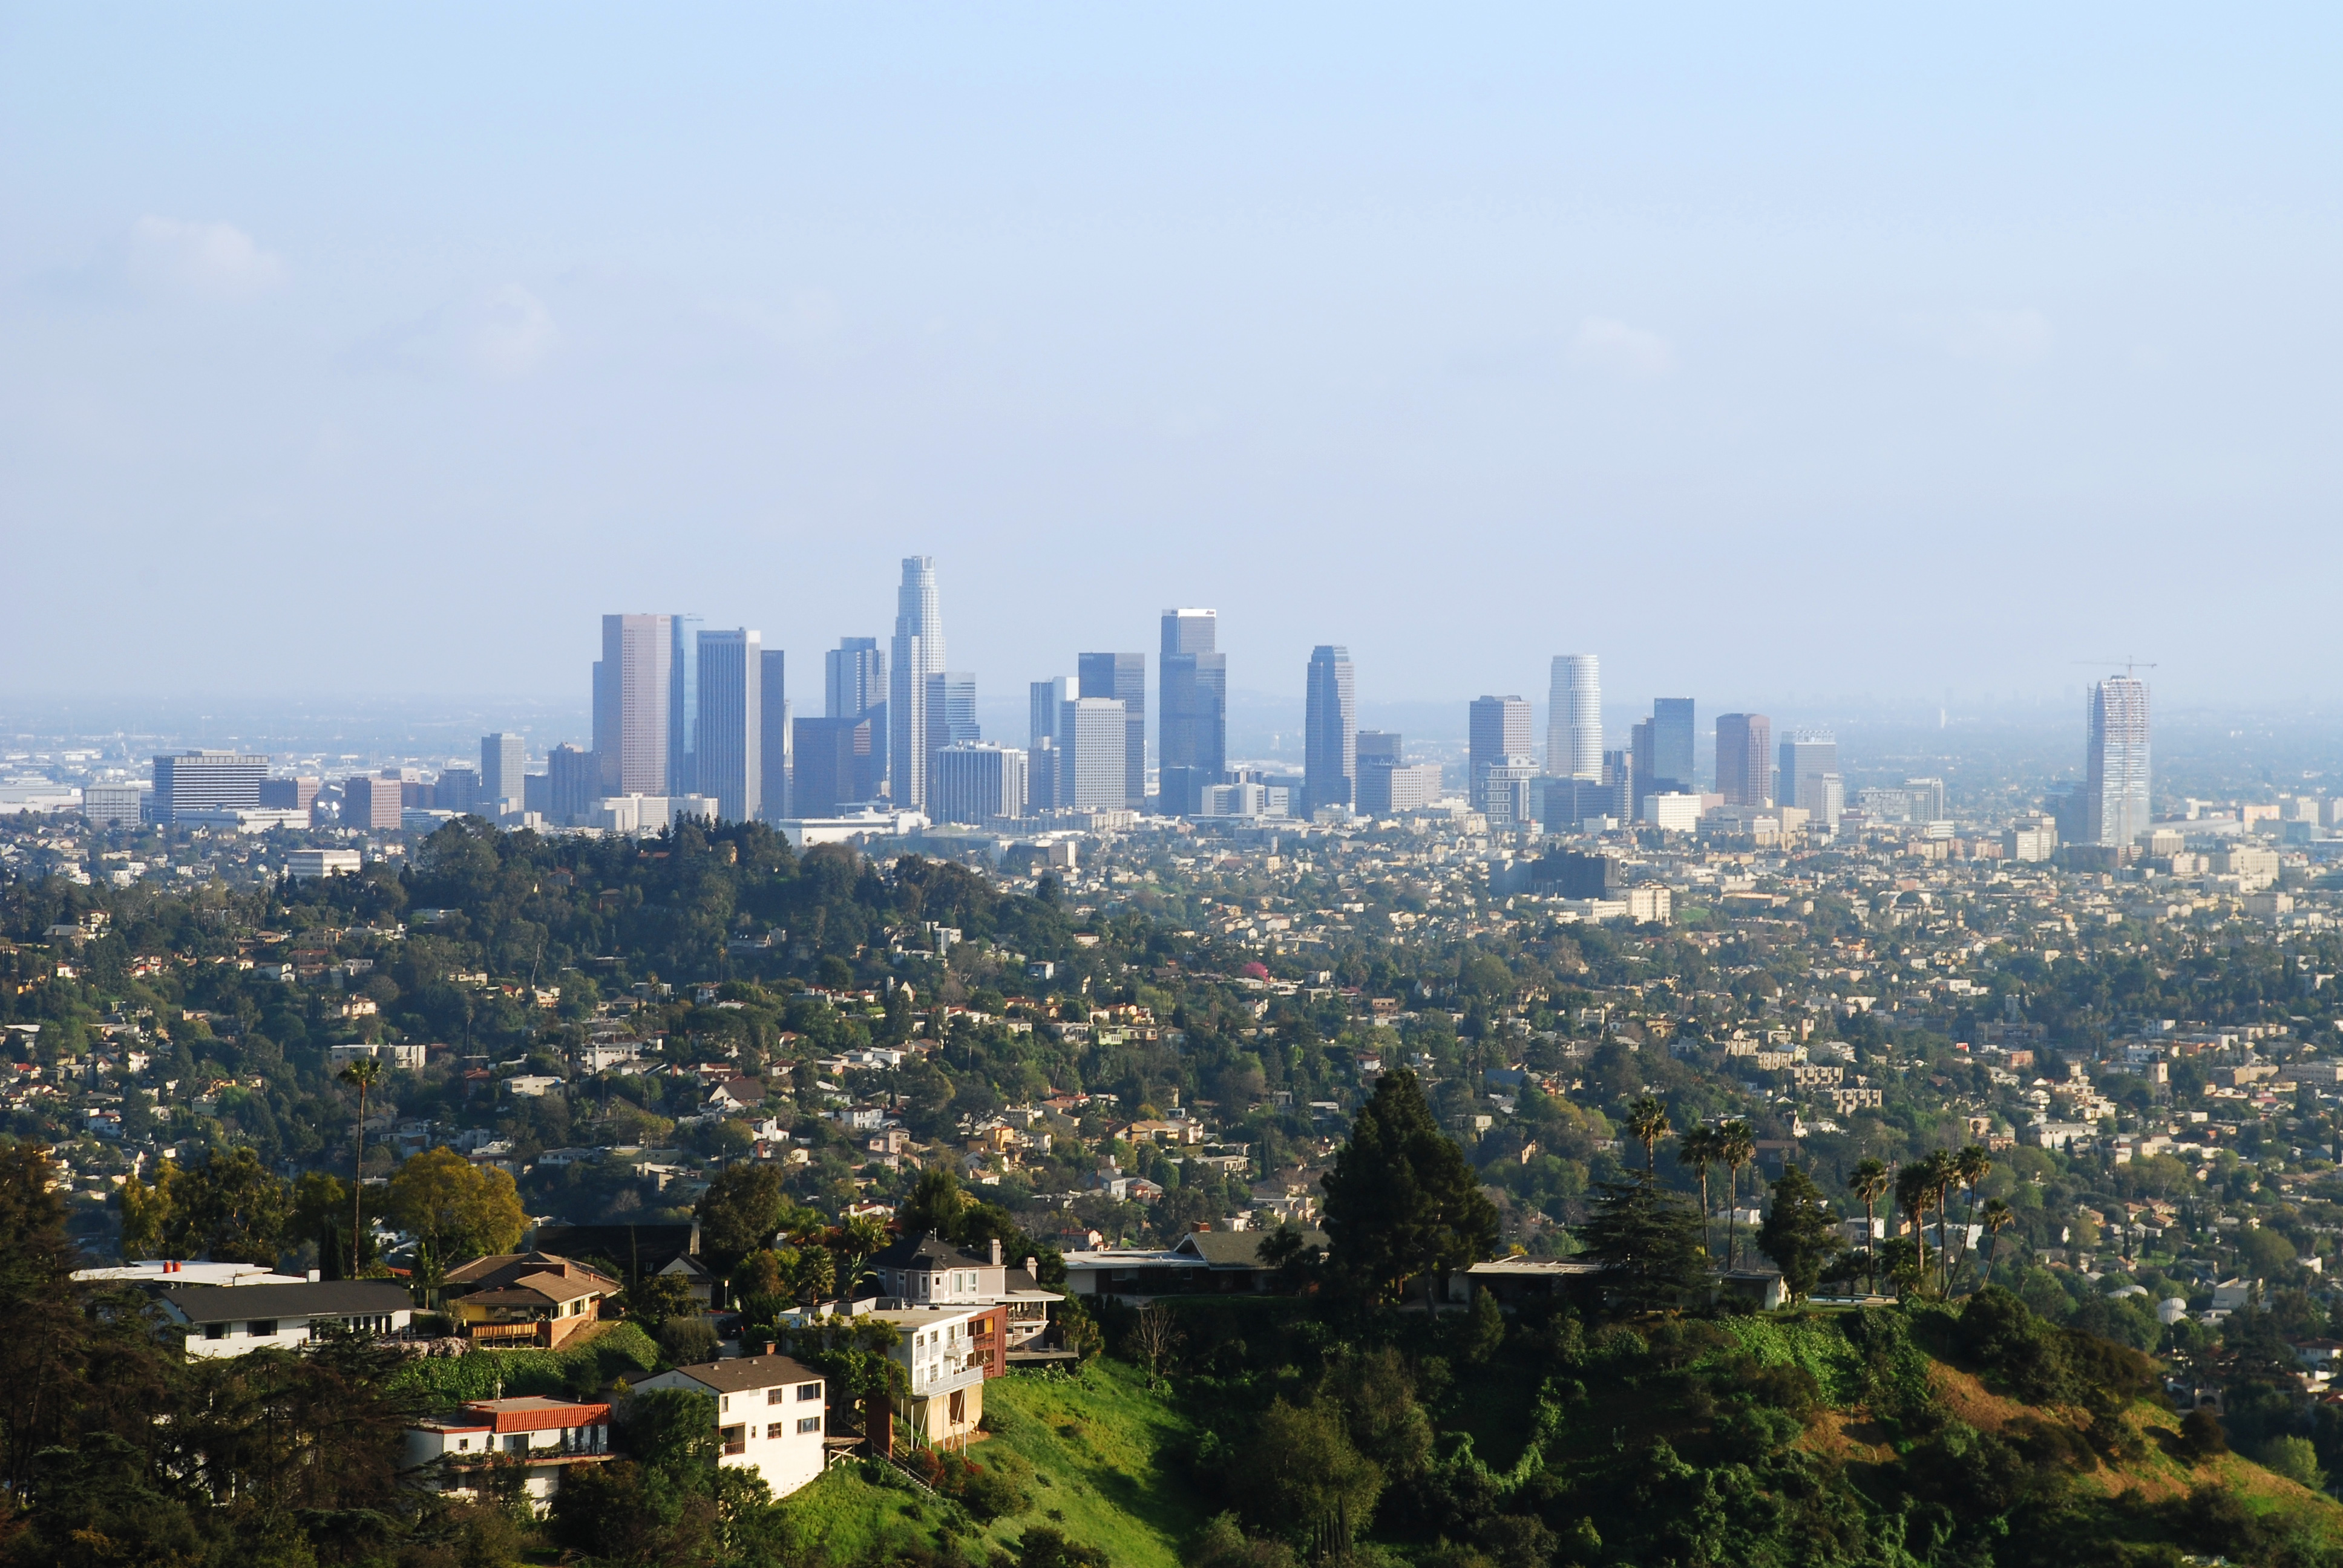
(948, 1352)
(230, 1320)
(768, 1414)
(543, 1436)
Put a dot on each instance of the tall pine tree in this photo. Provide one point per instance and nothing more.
(1401, 1200)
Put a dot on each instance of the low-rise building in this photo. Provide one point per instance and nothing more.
(233, 1320)
(519, 1298)
(542, 1438)
(770, 1414)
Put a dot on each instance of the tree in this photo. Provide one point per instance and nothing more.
(1914, 1187)
(1869, 1182)
(1697, 1148)
(230, 1209)
(146, 1212)
(1154, 1335)
(1042, 1547)
(1997, 1217)
(318, 1200)
(42, 1329)
(1302, 1474)
(459, 1210)
(1647, 1124)
(1736, 1145)
(1800, 1233)
(740, 1213)
(936, 1205)
(1401, 1200)
(1647, 1236)
(1971, 1166)
(362, 1075)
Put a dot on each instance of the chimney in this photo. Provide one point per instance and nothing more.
(1033, 1267)
(996, 1251)
(315, 1276)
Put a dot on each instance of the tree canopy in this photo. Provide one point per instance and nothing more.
(1401, 1200)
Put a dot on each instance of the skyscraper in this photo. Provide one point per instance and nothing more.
(1744, 758)
(833, 761)
(855, 677)
(2115, 783)
(1044, 699)
(916, 653)
(1193, 744)
(631, 691)
(572, 780)
(1092, 734)
(976, 782)
(729, 748)
(1810, 776)
(683, 705)
(1672, 744)
(1574, 732)
(504, 761)
(1329, 768)
(775, 767)
(951, 712)
(1123, 677)
(1499, 730)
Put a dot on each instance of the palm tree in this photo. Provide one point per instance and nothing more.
(1941, 1178)
(1736, 1145)
(364, 1074)
(1869, 1183)
(1697, 1148)
(1914, 1187)
(1997, 1217)
(1971, 1166)
(1647, 1124)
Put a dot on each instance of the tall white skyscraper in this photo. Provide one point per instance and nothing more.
(2115, 788)
(1573, 727)
(915, 653)
(632, 693)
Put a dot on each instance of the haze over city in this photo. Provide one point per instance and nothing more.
(1808, 360)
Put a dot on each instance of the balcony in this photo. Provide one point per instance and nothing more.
(508, 1336)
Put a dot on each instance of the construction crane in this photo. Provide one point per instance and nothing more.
(2128, 661)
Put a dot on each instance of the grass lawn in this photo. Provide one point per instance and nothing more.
(1097, 1441)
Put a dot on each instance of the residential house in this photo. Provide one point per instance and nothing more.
(1213, 1261)
(232, 1320)
(947, 1352)
(543, 1437)
(768, 1414)
(930, 1272)
(518, 1300)
(634, 1252)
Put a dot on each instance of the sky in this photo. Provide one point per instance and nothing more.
(1778, 360)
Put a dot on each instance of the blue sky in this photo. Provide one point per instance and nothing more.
(1774, 359)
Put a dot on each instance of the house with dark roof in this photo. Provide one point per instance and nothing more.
(770, 1414)
(230, 1319)
(518, 1300)
(927, 1271)
(634, 1252)
(1202, 1261)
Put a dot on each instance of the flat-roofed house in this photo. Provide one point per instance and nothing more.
(452, 1454)
(230, 1319)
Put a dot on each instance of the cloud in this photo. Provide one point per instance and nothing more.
(2006, 338)
(502, 334)
(513, 334)
(214, 260)
(1626, 350)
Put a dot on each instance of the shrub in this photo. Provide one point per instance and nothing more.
(2292, 1457)
(2201, 1437)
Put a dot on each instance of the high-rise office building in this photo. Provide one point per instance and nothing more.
(1672, 744)
(977, 782)
(916, 653)
(2115, 764)
(1193, 751)
(1329, 768)
(854, 677)
(373, 803)
(1123, 677)
(683, 703)
(208, 781)
(1809, 778)
(776, 765)
(1386, 782)
(631, 692)
(729, 737)
(1573, 730)
(1094, 737)
(951, 712)
(504, 762)
(834, 763)
(457, 789)
(1045, 699)
(572, 780)
(1498, 731)
(1744, 758)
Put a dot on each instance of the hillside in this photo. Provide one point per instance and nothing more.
(1898, 1436)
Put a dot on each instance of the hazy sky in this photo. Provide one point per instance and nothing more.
(379, 350)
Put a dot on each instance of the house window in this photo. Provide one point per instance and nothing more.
(464, 1445)
(776, 1430)
(808, 1424)
(736, 1439)
(725, 1403)
(214, 1330)
(263, 1327)
(958, 1406)
(776, 1395)
(516, 1444)
(808, 1391)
